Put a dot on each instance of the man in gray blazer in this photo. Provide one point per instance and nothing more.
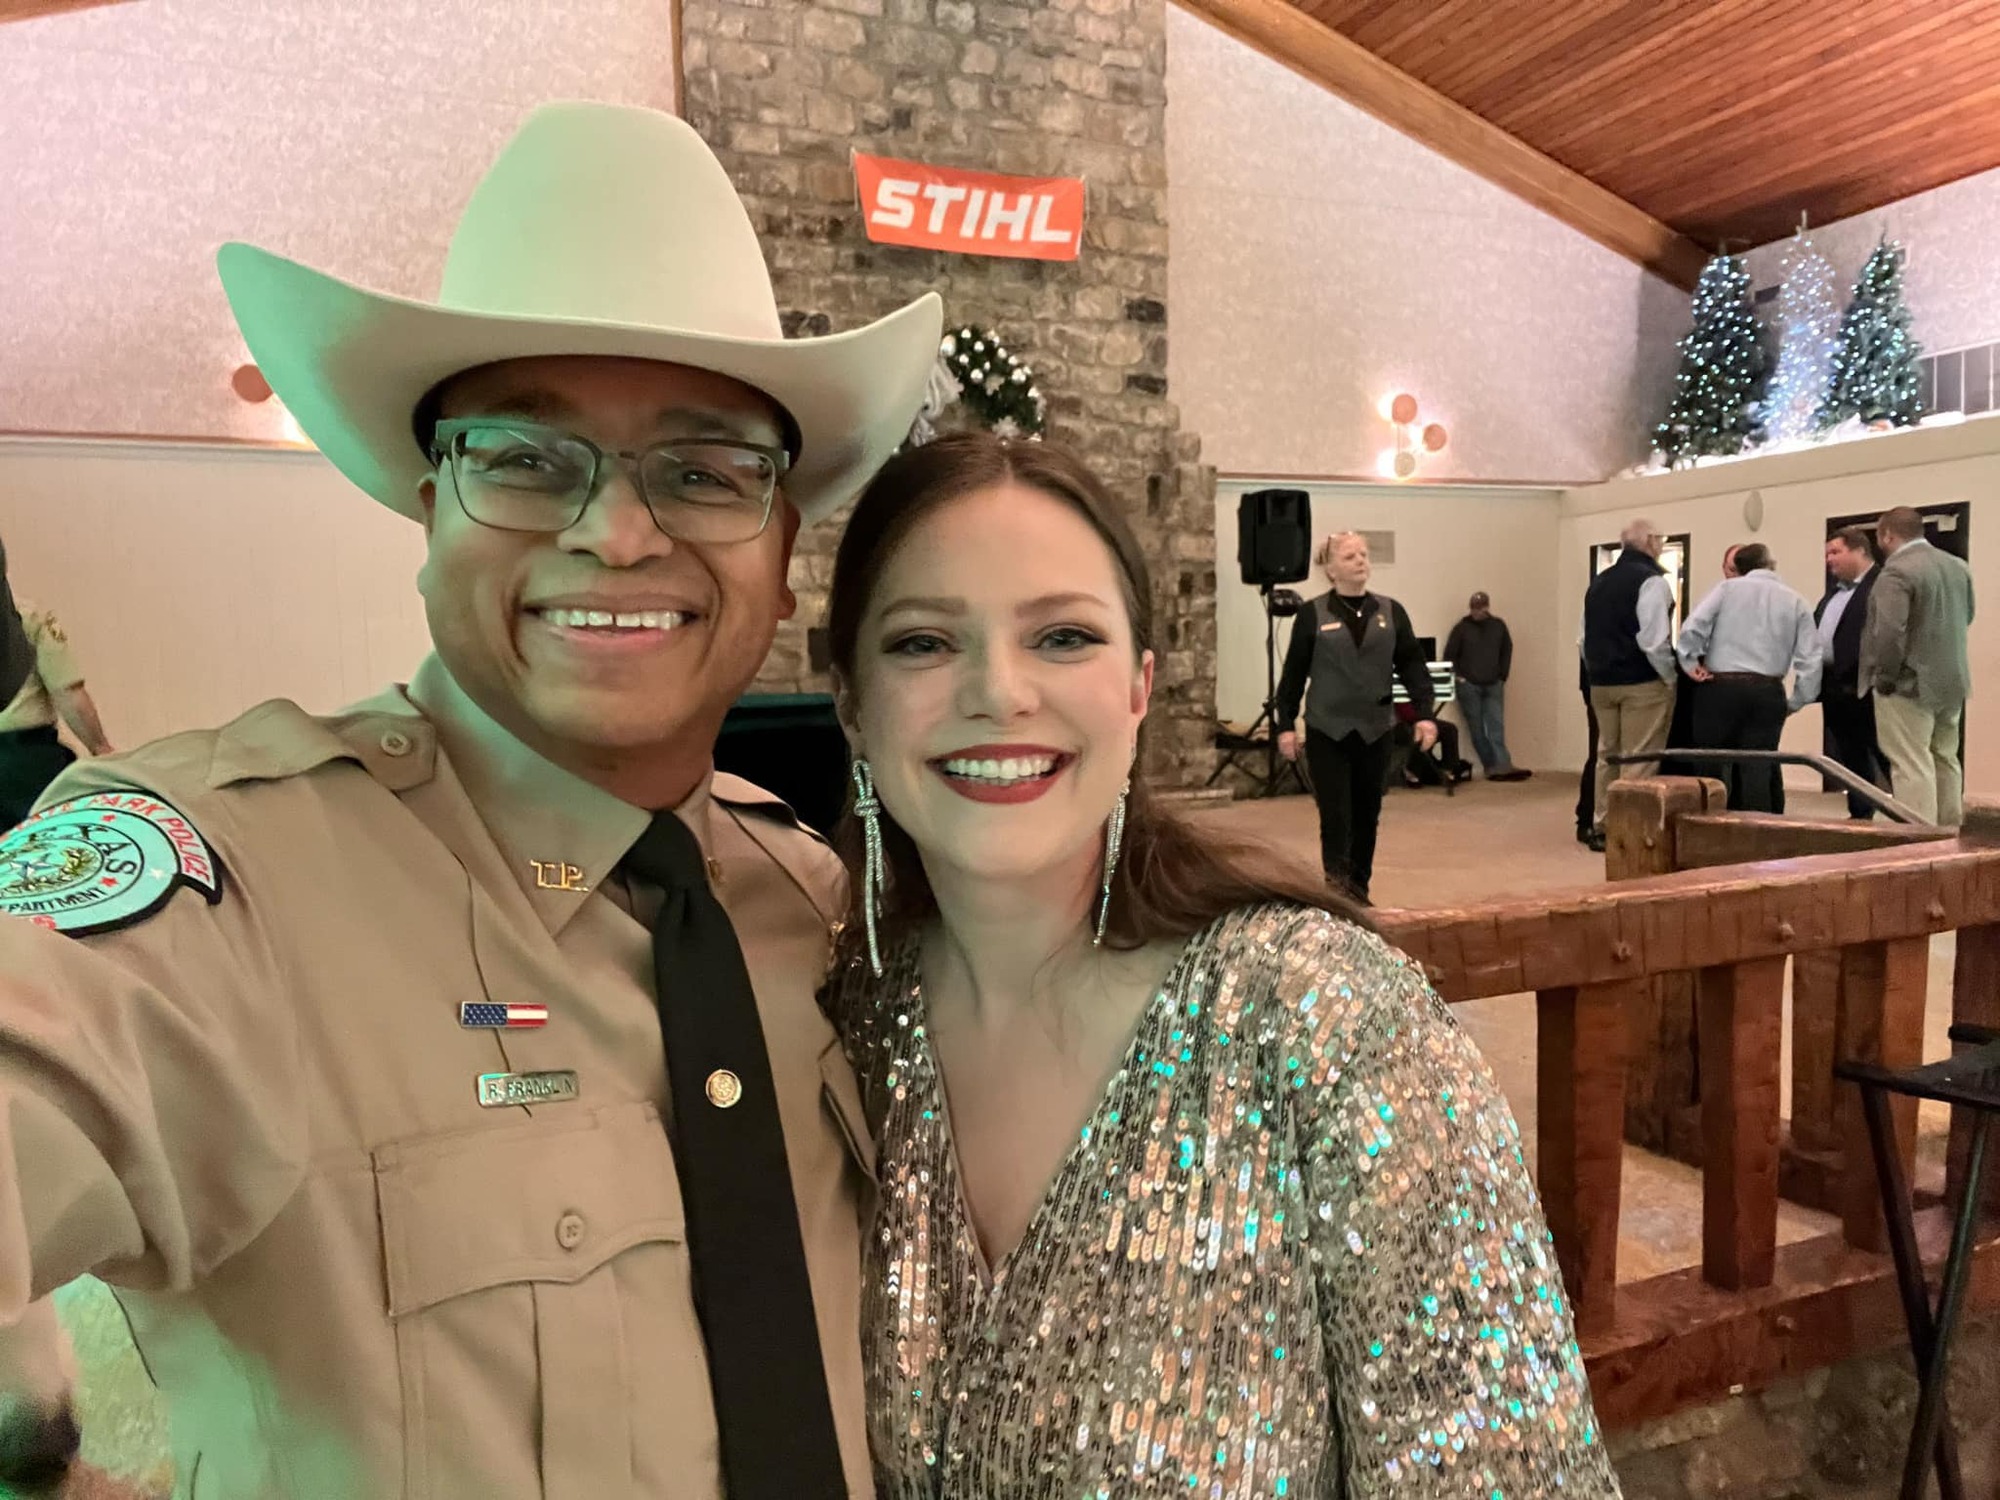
(1913, 660)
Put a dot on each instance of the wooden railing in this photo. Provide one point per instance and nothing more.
(1593, 959)
(1665, 825)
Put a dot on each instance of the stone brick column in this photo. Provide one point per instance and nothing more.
(784, 89)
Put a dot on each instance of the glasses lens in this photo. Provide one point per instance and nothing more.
(521, 479)
(709, 491)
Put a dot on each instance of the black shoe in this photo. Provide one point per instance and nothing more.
(1583, 833)
(37, 1446)
(1512, 773)
(1596, 841)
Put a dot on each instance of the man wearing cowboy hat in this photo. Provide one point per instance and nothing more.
(440, 1083)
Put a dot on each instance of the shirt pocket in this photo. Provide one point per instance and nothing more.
(519, 1260)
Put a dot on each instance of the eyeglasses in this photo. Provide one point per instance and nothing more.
(522, 476)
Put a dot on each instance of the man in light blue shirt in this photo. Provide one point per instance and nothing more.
(1739, 643)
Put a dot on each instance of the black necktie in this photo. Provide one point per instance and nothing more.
(751, 1289)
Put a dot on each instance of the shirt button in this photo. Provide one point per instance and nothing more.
(569, 1231)
(395, 742)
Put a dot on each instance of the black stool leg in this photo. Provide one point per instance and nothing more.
(1951, 1297)
(1916, 1308)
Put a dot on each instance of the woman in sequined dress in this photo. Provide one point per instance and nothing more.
(1189, 1185)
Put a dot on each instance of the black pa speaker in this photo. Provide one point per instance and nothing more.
(1274, 536)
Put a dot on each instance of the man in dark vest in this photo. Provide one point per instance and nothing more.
(1628, 654)
(1841, 617)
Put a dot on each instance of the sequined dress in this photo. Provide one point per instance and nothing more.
(1295, 1252)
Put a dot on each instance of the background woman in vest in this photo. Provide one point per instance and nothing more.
(1348, 648)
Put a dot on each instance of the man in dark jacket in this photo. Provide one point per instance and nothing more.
(1841, 617)
(1481, 652)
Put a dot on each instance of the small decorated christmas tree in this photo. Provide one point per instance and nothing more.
(997, 388)
(1723, 370)
(1808, 336)
(1875, 367)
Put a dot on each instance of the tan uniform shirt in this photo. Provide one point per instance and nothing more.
(55, 669)
(258, 1118)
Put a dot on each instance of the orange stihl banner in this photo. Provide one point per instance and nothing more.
(973, 213)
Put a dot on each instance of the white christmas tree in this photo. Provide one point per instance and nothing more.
(1808, 338)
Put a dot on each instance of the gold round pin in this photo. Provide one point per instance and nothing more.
(724, 1088)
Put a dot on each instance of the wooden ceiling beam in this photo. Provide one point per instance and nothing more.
(24, 10)
(1323, 55)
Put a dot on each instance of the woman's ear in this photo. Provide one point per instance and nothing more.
(843, 710)
(1142, 685)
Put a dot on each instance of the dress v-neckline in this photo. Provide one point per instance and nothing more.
(992, 1272)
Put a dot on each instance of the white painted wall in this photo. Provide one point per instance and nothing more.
(199, 580)
(1952, 275)
(138, 138)
(1927, 466)
(196, 581)
(1319, 260)
(1451, 541)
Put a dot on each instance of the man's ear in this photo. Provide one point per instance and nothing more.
(790, 521)
(427, 497)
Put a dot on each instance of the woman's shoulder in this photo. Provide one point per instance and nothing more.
(1304, 969)
(856, 999)
(1306, 937)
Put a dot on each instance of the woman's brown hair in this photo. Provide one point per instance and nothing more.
(1172, 881)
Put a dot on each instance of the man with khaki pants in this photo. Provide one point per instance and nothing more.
(1628, 655)
(1913, 660)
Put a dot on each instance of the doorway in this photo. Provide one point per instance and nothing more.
(1674, 553)
(1947, 527)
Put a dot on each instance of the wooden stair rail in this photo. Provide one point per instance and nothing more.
(1594, 959)
(1662, 825)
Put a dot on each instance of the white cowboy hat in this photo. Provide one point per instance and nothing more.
(601, 229)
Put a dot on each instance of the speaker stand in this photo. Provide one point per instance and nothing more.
(1277, 772)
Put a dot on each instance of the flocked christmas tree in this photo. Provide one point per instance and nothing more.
(1875, 367)
(1723, 369)
(1808, 335)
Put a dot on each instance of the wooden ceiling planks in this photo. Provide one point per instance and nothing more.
(23, 10)
(1285, 33)
(1724, 119)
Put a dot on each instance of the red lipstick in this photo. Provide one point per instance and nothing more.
(992, 784)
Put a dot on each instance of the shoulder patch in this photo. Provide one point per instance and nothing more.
(103, 861)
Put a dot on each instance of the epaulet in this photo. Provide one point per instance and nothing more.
(748, 798)
(279, 740)
(116, 836)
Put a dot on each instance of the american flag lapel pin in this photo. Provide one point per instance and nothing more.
(486, 1014)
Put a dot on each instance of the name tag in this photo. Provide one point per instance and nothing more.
(497, 1089)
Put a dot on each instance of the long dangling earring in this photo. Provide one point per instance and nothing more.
(870, 812)
(1114, 837)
